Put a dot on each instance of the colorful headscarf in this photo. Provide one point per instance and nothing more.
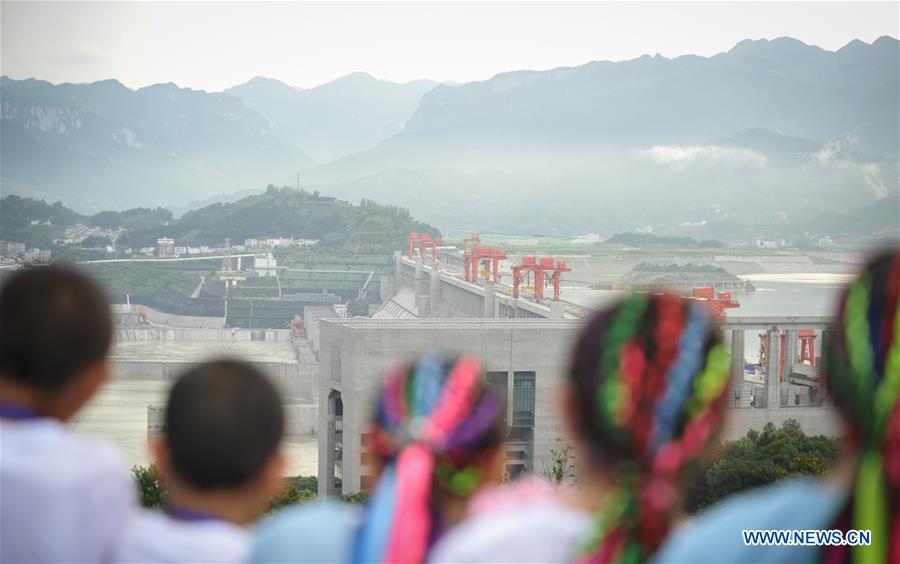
(649, 379)
(862, 368)
(432, 420)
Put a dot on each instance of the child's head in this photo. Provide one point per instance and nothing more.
(223, 426)
(55, 332)
(438, 436)
(646, 395)
(862, 368)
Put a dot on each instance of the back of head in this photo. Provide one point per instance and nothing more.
(224, 422)
(54, 324)
(862, 368)
(647, 394)
(434, 420)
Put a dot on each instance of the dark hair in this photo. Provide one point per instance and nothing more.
(54, 323)
(648, 380)
(433, 420)
(862, 369)
(224, 422)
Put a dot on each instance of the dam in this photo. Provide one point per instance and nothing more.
(330, 371)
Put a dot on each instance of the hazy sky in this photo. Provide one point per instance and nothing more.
(214, 45)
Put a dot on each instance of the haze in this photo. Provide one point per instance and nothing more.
(215, 45)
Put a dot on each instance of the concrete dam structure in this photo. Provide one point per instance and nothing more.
(149, 352)
(330, 372)
(417, 290)
(525, 359)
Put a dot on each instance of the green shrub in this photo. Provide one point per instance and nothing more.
(761, 458)
(150, 488)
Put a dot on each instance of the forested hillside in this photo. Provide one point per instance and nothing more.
(278, 212)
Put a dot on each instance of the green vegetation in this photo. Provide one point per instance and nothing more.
(50, 220)
(17, 215)
(761, 458)
(650, 240)
(150, 488)
(133, 219)
(286, 212)
(141, 278)
(279, 212)
(298, 489)
(359, 497)
(152, 493)
(562, 463)
(95, 241)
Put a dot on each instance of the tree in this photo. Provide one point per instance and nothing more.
(761, 458)
(96, 241)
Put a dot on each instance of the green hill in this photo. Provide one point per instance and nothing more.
(278, 212)
(286, 212)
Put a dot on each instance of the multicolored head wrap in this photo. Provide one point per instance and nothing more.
(433, 421)
(648, 379)
(862, 368)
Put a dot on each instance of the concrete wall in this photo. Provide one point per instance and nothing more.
(450, 296)
(289, 378)
(355, 355)
(300, 419)
(822, 420)
(191, 335)
(311, 317)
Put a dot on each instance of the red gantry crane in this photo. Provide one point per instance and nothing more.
(489, 257)
(423, 242)
(540, 271)
(717, 303)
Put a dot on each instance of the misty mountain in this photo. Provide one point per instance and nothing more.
(344, 116)
(756, 141)
(103, 145)
(777, 131)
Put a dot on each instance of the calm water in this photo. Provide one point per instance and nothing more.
(119, 414)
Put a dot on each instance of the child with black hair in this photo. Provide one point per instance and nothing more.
(221, 462)
(64, 497)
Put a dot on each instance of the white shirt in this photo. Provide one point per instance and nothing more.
(544, 531)
(153, 536)
(63, 497)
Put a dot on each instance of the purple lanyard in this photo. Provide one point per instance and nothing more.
(17, 412)
(185, 514)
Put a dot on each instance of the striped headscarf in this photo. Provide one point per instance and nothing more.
(433, 421)
(862, 369)
(648, 380)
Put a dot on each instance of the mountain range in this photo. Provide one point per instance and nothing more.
(758, 140)
(755, 140)
(344, 116)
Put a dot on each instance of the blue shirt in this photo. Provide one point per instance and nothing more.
(309, 532)
(715, 535)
